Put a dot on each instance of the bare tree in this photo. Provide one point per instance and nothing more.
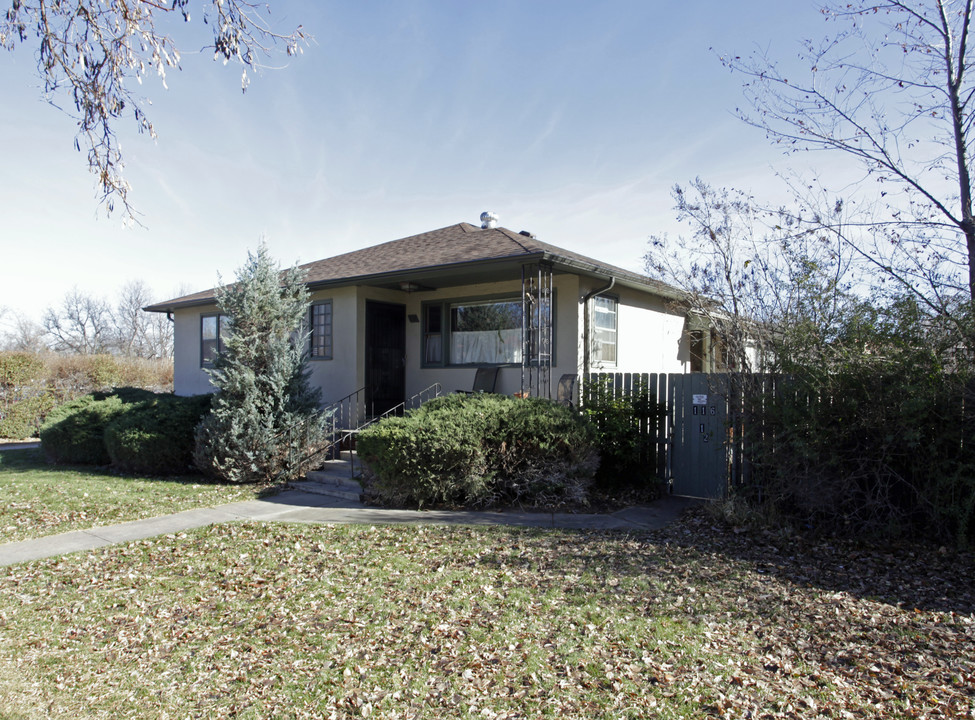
(159, 336)
(746, 272)
(94, 49)
(137, 332)
(890, 89)
(81, 325)
(24, 335)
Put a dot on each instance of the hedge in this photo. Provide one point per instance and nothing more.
(480, 450)
(75, 432)
(130, 429)
(155, 436)
(31, 385)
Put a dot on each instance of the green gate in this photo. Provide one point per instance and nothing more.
(698, 409)
(691, 448)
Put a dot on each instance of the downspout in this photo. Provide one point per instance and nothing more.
(586, 321)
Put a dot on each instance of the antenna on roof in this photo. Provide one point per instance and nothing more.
(489, 220)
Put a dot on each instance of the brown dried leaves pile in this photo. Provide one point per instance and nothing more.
(419, 622)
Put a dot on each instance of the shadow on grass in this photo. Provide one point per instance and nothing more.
(907, 576)
(32, 459)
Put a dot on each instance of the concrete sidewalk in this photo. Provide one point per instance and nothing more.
(302, 507)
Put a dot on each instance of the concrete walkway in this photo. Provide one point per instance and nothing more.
(302, 507)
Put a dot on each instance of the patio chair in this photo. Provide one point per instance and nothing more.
(566, 393)
(485, 380)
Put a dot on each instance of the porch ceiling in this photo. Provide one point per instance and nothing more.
(443, 276)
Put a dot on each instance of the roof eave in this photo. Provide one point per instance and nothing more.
(623, 277)
(560, 262)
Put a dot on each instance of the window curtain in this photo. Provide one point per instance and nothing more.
(485, 347)
(433, 350)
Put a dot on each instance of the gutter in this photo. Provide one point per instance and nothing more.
(586, 322)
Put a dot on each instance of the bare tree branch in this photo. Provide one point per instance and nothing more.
(891, 90)
(81, 325)
(93, 48)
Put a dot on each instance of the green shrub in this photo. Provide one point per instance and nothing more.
(130, 395)
(19, 368)
(870, 434)
(23, 418)
(75, 431)
(24, 400)
(626, 428)
(31, 384)
(480, 450)
(155, 435)
(104, 371)
(426, 458)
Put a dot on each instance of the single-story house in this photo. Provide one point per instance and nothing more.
(396, 318)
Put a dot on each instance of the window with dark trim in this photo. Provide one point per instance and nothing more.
(433, 334)
(696, 341)
(605, 329)
(473, 332)
(321, 330)
(213, 332)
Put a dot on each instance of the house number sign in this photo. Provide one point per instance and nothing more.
(700, 407)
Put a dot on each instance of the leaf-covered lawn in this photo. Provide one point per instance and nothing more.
(38, 499)
(254, 621)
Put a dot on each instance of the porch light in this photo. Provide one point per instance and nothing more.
(407, 286)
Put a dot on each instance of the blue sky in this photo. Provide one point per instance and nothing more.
(569, 119)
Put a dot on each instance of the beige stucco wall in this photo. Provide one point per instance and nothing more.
(341, 375)
(188, 377)
(649, 339)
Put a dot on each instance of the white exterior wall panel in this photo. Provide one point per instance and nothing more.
(650, 336)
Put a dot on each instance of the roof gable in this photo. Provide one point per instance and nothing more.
(455, 246)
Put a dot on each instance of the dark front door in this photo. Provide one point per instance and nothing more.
(385, 356)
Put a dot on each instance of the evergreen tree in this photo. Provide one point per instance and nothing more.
(264, 415)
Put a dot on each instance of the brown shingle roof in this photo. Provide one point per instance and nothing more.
(460, 245)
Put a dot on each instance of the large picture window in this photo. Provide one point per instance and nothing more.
(604, 330)
(485, 333)
(473, 332)
(214, 330)
(321, 330)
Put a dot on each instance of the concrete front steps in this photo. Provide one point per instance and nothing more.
(334, 479)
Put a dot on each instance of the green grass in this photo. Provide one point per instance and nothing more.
(274, 620)
(38, 499)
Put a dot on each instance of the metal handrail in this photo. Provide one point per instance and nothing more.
(337, 415)
(411, 403)
(347, 416)
(346, 410)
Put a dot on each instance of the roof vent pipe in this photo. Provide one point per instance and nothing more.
(489, 220)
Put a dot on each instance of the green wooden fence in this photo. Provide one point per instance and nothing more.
(698, 446)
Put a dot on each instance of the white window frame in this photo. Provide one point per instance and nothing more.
(604, 307)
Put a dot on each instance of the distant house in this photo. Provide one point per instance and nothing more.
(396, 318)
